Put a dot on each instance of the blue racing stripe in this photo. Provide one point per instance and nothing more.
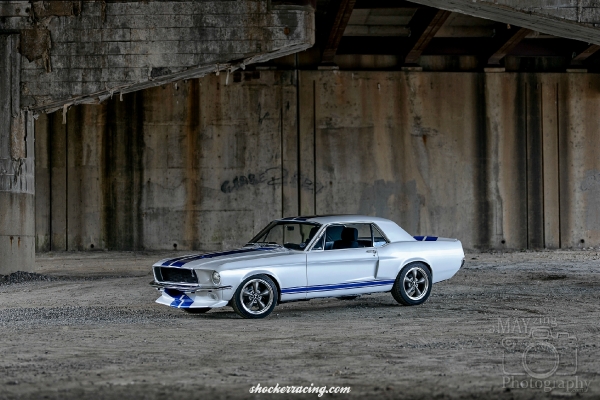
(180, 261)
(339, 286)
(180, 299)
(166, 263)
(426, 238)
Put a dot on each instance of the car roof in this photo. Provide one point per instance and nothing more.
(328, 219)
(389, 228)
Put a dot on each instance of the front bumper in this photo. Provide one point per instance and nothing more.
(186, 287)
(190, 295)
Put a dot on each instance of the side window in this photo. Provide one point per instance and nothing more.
(364, 234)
(378, 238)
(348, 236)
(332, 235)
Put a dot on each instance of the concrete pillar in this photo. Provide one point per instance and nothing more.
(17, 192)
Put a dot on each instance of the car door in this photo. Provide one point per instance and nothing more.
(341, 271)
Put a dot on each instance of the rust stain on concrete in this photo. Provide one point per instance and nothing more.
(44, 9)
(35, 45)
(192, 180)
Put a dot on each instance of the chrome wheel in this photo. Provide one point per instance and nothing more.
(416, 283)
(256, 297)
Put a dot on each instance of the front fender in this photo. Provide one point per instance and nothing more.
(234, 278)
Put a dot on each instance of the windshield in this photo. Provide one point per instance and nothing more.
(291, 235)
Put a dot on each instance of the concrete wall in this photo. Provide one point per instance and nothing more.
(198, 166)
(85, 51)
(498, 160)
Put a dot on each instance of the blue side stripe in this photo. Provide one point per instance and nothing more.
(180, 261)
(419, 238)
(339, 286)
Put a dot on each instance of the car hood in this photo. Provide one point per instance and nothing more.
(192, 261)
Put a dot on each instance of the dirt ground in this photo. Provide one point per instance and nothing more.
(94, 331)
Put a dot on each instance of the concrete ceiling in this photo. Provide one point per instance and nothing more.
(487, 29)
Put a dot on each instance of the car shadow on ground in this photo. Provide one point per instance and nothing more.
(293, 309)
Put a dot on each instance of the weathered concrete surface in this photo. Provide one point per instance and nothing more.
(96, 333)
(575, 19)
(193, 166)
(17, 232)
(83, 52)
(497, 160)
(17, 229)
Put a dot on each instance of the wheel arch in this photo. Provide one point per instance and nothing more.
(276, 282)
(413, 261)
(266, 273)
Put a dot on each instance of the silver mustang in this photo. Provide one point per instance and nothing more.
(302, 258)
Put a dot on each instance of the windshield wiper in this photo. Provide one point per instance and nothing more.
(266, 243)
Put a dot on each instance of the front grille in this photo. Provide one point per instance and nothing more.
(175, 275)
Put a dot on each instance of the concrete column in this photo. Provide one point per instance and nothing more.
(17, 192)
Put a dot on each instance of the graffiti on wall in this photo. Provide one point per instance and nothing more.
(274, 176)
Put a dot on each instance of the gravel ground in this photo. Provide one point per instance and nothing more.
(86, 326)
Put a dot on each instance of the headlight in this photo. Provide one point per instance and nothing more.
(216, 278)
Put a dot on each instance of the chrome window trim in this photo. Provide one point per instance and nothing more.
(387, 240)
(324, 228)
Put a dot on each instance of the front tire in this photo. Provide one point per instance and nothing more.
(413, 285)
(255, 298)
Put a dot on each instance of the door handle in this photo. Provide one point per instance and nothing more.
(372, 251)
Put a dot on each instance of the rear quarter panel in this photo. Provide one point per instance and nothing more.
(443, 256)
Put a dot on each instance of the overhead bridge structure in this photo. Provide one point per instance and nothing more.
(129, 125)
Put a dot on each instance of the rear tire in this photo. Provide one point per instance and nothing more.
(255, 298)
(196, 310)
(413, 285)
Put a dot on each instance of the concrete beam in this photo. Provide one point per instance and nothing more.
(85, 52)
(373, 4)
(508, 43)
(377, 30)
(582, 57)
(424, 25)
(339, 15)
(561, 18)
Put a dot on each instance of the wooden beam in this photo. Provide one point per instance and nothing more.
(339, 15)
(508, 41)
(580, 58)
(423, 26)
